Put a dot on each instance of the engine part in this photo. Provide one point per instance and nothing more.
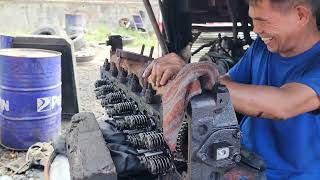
(124, 108)
(102, 91)
(134, 83)
(113, 69)
(134, 122)
(205, 151)
(138, 121)
(115, 42)
(213, 145)
(113, 98)
(182, 142)
(134, 140)
(158, 164)
(101, 82)
(123, 75)
(154, 141)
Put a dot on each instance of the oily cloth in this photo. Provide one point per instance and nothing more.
(178, 93)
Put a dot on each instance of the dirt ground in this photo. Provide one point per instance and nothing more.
(87, 74)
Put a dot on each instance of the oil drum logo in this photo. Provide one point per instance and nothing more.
(48, 103)
(4, 105)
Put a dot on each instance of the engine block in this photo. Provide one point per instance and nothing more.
(208, 144)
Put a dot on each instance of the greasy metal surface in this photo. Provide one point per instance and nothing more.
(212, 139)
(153, 109)
(133, 56)
(213, 126)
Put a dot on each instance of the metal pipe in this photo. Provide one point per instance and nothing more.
(151, 51)
(142, 49)
(155, 26)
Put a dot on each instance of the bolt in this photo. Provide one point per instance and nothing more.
(223, 152)
(203, 129)
(237, 158)
(237, 134)
(203, 157)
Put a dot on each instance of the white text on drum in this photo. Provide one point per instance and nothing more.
(48, 103)
(4, 105)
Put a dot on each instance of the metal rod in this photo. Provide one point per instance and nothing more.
(165, 29)
(155, 26)
(142, 49)
(151, 52)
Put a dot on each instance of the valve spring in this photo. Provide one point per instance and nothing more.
(101, 82)
(139, 139)
(108, 88)
(124, 107)
(105, 89)
(158, 164)
(134, 140)
(112, 98)
(142, 138)
(154, 141)
(121, 124)
(138, 121)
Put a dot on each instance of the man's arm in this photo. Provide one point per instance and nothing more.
(269, 102)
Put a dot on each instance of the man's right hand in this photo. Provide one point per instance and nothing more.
(161, 70)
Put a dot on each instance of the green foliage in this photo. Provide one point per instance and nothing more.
(16, 33)
(100, 33)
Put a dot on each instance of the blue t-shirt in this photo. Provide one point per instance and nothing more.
(290, 148)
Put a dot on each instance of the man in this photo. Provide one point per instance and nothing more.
(276, 85)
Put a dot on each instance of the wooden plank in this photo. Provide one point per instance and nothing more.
(87, 152)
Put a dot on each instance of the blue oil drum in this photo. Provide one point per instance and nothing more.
(75, 24)
(30, 97)
(5, 41)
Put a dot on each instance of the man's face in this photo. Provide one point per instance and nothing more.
(277, 29)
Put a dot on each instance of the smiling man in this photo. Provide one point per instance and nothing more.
(276, 85)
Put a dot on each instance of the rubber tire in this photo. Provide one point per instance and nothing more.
(78, 41)
(50, 30)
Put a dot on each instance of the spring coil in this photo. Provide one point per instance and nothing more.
(124, 107)
(138, 121)
(158, 164)
(121, 124)
(134, 140)
(139, 139)
(154, 141)
(101, 82)
(105, 89)
(112, 98)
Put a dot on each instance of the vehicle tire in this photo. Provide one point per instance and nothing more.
(50, 30)
(78, 41)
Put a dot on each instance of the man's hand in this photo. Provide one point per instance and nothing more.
(163, 69)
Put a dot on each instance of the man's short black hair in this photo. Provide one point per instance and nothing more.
(283, 5)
